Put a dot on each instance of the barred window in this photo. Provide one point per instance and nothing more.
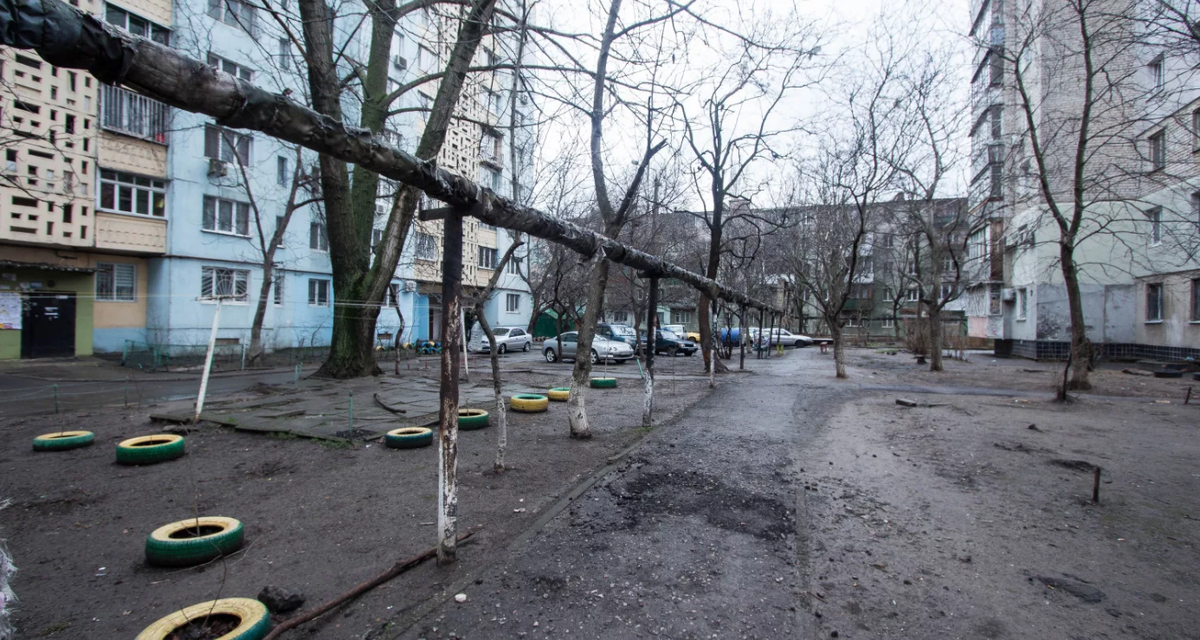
(219, 282)
(116, 282)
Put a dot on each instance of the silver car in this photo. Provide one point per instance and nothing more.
(507, 339)
(602, 348)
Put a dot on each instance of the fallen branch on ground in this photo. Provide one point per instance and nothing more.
(395, 570)
(385, 406)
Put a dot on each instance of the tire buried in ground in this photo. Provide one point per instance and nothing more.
(529, 403)
(150, 449)
(559, 394)
(473, 419)
(63, 440)
(408, 438)
(193, 541)
(239, 618)
(603, 383)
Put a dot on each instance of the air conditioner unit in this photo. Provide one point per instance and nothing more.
(1008, 295)
(400, 62)
(410, 286)
(217, 168)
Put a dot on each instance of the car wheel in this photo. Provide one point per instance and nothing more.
(595, 357)
(527, 346)
(551, 356)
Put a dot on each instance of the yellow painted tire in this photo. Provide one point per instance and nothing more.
(255, 621)
(63, 440)
(178, 545)
(150, 449)
(529, 403)
(559, 394)
(408, 438)
(603, 383)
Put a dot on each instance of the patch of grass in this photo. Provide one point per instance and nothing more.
(53, 628)
(282, 435)
(337, 444)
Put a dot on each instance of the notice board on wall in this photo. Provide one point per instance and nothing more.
(10, 310)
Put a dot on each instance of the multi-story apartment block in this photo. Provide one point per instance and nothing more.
(1137, 264)
(124, 220)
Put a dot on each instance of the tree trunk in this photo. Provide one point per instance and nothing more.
(260, 311)
(935, 338)
(651, 335)
(500, 416)
(577, 403)
(839, 348)
(706, 332)
(448, 390)
(1080, 346)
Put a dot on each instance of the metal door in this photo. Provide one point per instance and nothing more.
(48, 325)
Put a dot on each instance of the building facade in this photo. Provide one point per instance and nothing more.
(124, 220)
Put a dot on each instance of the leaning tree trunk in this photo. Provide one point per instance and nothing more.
(1080, 347)
(501, 416)
(577, 402)
(260, 311)
(839, 347)
(935, 338)
(706, 332)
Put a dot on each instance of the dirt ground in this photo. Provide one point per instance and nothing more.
(319, 518)
(974, 519)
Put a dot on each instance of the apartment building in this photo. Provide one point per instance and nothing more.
(124, 220)
(1136, 254)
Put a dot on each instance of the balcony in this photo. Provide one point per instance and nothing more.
(133, 114)
(133, 234)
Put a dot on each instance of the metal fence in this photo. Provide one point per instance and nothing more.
(134, 114)
(151, 356)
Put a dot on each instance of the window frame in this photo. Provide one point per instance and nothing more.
(234, 69)
(318, 235)
(125, 24)
(512, 303)
(487, 258)
(425, 247)
(219, 10)
(113, 293)
(1158, 74)
(136, 184)
(1022, 304)
(1195, 282)
(1154, 302)
(211, 273)
(318, 295)
(277, 288)
(1154, 217)
(239, 217)
(1157, 150)
(228, 141)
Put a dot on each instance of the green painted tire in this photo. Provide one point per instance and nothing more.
(559, 394)
(63, 440)
(254, 621)
(603, 383)
(408, 438)
(193, 541)
(473, 419)
(150, 449)
(529, 403)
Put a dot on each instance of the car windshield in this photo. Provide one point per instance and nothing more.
(622, 330)
(501, 332)
(668, 334)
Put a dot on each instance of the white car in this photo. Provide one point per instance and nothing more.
(507, 339)
(785, 338)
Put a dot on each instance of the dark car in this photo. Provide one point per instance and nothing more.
(670, 343)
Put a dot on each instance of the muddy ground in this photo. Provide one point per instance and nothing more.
(319, 518)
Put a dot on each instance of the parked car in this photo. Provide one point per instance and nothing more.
(785, 338)
(619, 332)
(602, 348)
(670, 343)
(681, 331)
(507, 339)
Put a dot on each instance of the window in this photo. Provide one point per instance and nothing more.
(1154, 302)
(317, 238)
(888, 322)
(426, 247)
(996, 66)
(281, 171)
(491, 178)
(226, 216)
(376, 238)
(914, 294)
(285, 53)
(219, 282)
(489, 147)
(487, 258)
(1196, 300)
(222, 143)
(887, 241)
(977, 245)
(318, 292)
(232, 68)
(135, 25)
(277, 289)
(514, 266)
(133, 114)
(621, 317)
(1157, 74)
(233, 12)
(425, 102)
(852, 321)
(1158, 150)
(116, 282)
(280, 231)
(995, 189)
(947, 292)
(1154, 216)
(948, 264)
(681, 316)
(425, 59)
(1022, 303)
(993, 299)
(127, 193)
(1196, 208)
(393, 295)
(1196, 131)
(887, 293)
(512, 303)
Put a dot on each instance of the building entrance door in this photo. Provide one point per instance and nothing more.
(48, 325)
(435, 322)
